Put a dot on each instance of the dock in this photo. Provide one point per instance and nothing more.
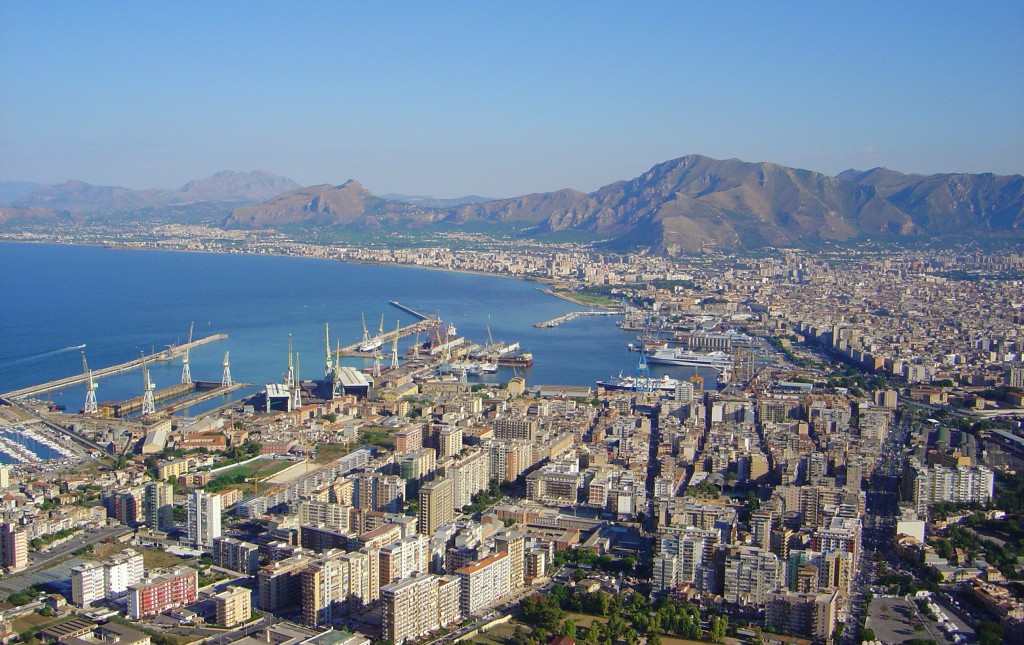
(555, 322)
(426, 324)
(205, 395)
(164, 355)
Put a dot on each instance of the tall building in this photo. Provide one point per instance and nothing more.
(156, 595)
(942, 484)
(514, 543)
(158, 506)
(402, 559)
(418, 605)
(470, 474)
(750, 575)
(87, 584)
(280, 583)
(13, 547)
(121, 571)
(449, 441)
(410, 608)
(810, 615)
(484, 583)
(204, 512)
(234, 606)
(437, 505)
(236, 555)
(515, 428)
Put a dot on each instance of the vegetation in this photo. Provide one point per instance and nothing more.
(41, 541)
(328, 452)
(379, 437)
(484, 499)
(590, 560)
(23, 597)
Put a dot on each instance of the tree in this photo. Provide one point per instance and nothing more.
(654, 639)
(718, 626)
(867, 634)
(568, 628)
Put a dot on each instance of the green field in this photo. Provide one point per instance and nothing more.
(260, 468)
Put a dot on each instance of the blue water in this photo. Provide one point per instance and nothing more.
(54, 298)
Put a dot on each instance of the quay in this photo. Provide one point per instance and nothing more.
(426, 324)
(555, 322)
(163, 355)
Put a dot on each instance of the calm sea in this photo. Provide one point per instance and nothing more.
(54, 298)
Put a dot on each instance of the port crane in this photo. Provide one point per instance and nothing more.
(394, 346)
(186, 373)
(329, 369)
(366, 332)
(289, 377)
(297, 388)
(148, 403)
(225, 379)
(90, 389)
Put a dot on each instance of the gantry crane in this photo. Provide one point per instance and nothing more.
(186, 373)
(90, 389)
(148, 403)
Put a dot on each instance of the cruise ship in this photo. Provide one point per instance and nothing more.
(676, 356)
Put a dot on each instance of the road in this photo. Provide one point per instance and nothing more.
(64, 549)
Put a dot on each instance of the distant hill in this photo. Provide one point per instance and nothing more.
(346, 205)
(224, 187)
(14, 190)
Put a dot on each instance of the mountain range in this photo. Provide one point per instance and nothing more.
(79, 197)
(681, 206)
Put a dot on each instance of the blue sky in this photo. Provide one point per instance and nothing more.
(502, 99)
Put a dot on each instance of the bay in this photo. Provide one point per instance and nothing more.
(54, 298)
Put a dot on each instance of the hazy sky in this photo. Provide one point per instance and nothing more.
(502, 98)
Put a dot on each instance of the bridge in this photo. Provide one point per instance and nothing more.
(164, 355)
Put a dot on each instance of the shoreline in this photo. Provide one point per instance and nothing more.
(129, 247)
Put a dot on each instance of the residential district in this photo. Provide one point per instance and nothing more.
(854, 476)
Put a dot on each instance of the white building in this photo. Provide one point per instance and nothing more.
(204, 511)
(87, 584)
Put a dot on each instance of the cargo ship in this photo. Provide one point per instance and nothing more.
(516, 359)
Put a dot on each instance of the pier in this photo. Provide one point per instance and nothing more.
(395, 303)
(164, 355)
(555, 322)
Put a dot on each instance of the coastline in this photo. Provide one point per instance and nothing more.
(130, 247)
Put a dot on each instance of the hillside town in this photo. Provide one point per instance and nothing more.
(856, 478)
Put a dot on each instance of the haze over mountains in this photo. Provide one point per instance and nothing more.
(680, 206)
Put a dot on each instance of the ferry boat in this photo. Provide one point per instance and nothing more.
(716, 360)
